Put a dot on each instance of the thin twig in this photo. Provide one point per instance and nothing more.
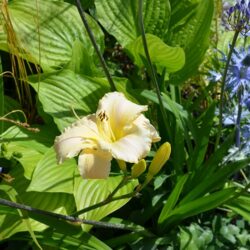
(20, 124)
(92, 38)
(65, 217)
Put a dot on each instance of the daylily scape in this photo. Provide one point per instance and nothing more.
(117, 130)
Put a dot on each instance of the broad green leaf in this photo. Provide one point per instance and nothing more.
(55, 240)
(64, 91)
(161, 55)
(197, 206)
(27, 147)
(45, 32)
(172, 199)
(190, 29)
(23, 214)
(120, 18)
(90, 192)
(55, 202)
(81, 62)
(48, 176)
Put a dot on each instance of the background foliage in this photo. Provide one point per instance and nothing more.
(51, 74)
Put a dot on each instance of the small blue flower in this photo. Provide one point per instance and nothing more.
(214, 76)
(238, 16)
(239, 71)
(247, 101)
(246, 132)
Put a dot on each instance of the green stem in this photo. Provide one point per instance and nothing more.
(224, 78)
(152, 71)
(92, 38)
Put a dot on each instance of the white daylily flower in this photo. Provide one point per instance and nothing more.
(117, 129)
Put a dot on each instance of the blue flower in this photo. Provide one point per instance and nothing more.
(238, 16)
(239, 71)
(246, 132)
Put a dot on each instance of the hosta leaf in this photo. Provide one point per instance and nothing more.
(54, 240)
(51, 177)
(120, 18)
(189, 28)
(46, 30)
(56, 202)
(162, 55)
(26, 146)
(62, 92)
(90, 192)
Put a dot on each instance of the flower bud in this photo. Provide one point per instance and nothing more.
(138, 168)
(160, 158)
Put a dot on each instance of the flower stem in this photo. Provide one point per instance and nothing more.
(224, 78)
(237, 125)
(152, 71)
(92, 38)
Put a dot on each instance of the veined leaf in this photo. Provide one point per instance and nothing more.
(120, 18)
(189, 29)
(26, 146)
(161, 55)
(55, 240)
(64, 92)
(55, 202)
(48, 176)
(90, 192)
(46, 30)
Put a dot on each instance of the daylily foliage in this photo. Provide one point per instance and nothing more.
(117, 130)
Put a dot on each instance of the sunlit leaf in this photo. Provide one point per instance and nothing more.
(48, 176)
(55, 202)
(46, 31)
(90, 192)
(27, 147)
(62, 93)
(161, 55)
(189, 28)
(120, 18)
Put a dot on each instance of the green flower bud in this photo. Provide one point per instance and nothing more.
(160, 158)
(3, 147)
(17, 154)
(138, 168)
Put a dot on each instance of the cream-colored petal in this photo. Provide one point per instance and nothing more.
(136, 144)
(115, 114)
(94, 164)
(81, 134)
